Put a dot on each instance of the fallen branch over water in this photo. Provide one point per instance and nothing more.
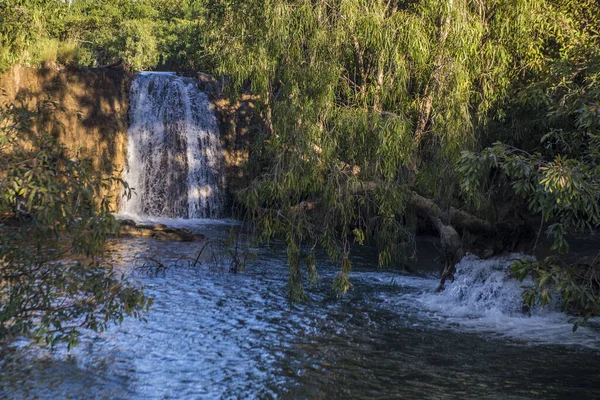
(448, 223)
(452, 246)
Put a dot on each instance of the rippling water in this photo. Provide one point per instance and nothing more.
(213, 334)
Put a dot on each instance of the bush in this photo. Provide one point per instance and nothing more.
(140, 48)
(53, 278)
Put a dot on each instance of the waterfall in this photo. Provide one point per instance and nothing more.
(174, 156)
(485, 285)
(485, 292)
(485, 297)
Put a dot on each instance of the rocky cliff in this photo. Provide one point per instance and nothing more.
(97, 122)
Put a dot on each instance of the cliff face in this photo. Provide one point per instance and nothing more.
(97, 101)
(97, 122)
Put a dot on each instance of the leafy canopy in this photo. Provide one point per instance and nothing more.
(364, 102)
(555, 166)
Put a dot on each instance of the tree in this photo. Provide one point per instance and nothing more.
(367, 105)
(53, 278)
(555, 166)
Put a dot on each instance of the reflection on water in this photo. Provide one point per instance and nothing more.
(212, 334)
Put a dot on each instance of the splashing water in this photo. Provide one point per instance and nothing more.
(484, 286)
(485, 297)
(174, 156)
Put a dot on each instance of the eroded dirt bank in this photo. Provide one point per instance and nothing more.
(97, 103)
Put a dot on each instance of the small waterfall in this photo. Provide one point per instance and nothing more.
(174, 156)
(485, 297)
(486, 285)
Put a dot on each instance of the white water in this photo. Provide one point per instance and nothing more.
(483, 287)
(485, 298)
(174, 156)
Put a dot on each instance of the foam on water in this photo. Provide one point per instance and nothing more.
(189, 223)
(485, 297)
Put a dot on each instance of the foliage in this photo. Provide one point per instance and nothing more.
(365, 101)
(20, 26)
(578, 286)
(53, 278)
(140, 48)
(142, 33)
(564, 191)
(559, 177)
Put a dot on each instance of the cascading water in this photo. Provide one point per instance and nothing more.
(174, 154)
(482, 286)
(485, 297)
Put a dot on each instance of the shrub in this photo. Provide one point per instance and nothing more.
(53, 278)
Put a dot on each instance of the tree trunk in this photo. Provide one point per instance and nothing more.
(452, 247)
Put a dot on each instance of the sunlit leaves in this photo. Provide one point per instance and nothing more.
(340, 87)
(562, 190)
(560, 179)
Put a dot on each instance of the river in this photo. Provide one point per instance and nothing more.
(214, 334)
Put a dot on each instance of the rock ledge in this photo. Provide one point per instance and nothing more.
(158, 231)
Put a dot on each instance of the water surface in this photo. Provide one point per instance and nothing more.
(214, 334)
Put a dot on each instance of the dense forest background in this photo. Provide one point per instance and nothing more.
(478, 120)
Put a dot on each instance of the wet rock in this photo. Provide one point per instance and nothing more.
(128, 222)
(158, 231)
